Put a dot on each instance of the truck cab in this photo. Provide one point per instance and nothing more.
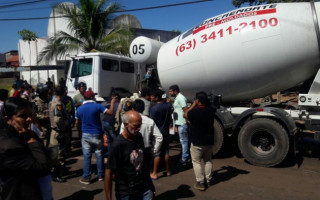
(103, 73)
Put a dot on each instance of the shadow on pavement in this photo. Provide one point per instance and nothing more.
(183, 191)
(226, 173)
(76, 152)
(70, 161)
(175, 156)
(83, 195)
(229, 148)
(76, 143)
(73, 174)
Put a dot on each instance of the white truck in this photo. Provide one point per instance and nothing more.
(103, 73)
(243, 54)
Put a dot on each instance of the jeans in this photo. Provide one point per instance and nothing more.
(146, 195)
(92, 143)
(205, 153)
(45, 187)
(111, 136)
(183, 135)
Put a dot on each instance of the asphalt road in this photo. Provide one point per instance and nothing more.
(234, 178)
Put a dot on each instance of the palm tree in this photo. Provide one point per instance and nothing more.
(87, 24)
(27, 35)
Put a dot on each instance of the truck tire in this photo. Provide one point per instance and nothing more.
(218, 137)
(263, 142)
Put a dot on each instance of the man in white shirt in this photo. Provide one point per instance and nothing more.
(149, 131)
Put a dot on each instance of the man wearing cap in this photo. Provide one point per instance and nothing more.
(92, 134)
(78, 100)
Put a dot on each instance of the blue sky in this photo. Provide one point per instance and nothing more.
(171, 18)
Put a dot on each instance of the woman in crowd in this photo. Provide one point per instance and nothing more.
(22, 156)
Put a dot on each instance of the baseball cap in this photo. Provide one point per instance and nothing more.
(88, 94)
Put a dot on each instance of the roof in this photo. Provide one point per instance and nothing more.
(14, 58)
(105, 54)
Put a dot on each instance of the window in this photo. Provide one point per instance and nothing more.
(127, 67)
(81, 67)
(110, 65)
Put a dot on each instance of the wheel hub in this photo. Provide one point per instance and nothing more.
(263, 141)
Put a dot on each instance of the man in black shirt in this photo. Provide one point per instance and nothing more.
(127, 162)
(200, 116)
(161, 114)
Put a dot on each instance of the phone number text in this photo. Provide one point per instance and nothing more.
(253, 25)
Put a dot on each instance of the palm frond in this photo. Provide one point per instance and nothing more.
(58, 46)
(118, 40)
(87, 25)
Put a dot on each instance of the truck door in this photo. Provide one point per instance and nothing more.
(80, 71)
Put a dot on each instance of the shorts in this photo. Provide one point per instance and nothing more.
(164, 150)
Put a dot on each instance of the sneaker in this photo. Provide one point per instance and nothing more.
(84, 181)
(199, 186)
(183, 162)
(58, 180)
(186, 161)
(100, 178)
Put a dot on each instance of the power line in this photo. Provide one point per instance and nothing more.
(6, 3)
(3, 2)
(165, 6)
(26, 10)
(130, 10)
(15, 10)
(21, 3)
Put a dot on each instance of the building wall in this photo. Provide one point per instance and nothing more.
(2, 60)
(11, 53)
(28, 56)
(28, 52)
(160, 35)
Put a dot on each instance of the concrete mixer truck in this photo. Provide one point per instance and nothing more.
(243, 54)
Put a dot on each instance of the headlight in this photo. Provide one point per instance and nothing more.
(303, 99)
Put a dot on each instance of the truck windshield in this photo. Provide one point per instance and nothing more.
(81, 67)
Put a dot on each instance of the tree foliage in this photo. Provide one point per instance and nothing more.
(27, 35)
(238, 3)
(87, 24)
(176, 31)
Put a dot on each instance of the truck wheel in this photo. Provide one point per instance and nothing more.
(218, 137)
(263, 142)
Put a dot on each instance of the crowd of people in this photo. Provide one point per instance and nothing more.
(133, 133)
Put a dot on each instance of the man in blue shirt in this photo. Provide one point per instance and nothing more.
(92, 134)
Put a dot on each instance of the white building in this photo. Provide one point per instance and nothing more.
(28, 53)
